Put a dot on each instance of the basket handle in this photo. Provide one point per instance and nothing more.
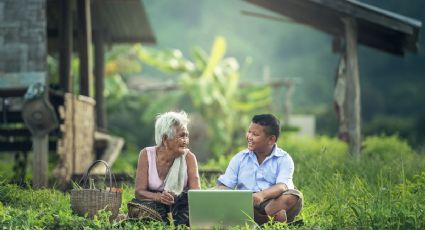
(108, 171)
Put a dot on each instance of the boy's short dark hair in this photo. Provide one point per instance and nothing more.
(270, 122)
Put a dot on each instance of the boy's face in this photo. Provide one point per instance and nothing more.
(258, 140)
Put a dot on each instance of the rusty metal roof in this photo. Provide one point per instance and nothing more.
(377, 28)
(120, 21)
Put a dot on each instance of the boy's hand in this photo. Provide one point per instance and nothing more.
(220, 186)
(258, 198)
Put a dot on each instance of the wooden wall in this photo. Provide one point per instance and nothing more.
(75, 148)
(23, 36)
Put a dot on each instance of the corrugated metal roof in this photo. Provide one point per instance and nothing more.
(377, 28)
(122, 21)
(387, 13)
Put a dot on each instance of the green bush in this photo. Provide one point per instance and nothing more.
(29, 209)
(386, 148)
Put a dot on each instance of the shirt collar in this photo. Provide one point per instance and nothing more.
(276, 152)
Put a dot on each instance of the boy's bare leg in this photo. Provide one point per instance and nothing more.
(277, 207)
(260, 218)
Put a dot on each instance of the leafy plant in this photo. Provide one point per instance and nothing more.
(212, 82)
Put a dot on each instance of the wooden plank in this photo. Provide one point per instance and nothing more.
(84, 127)
(99, 73)
(40, 161)
(352, 102)
(12, 92)
(76, 147)
(84, 37)
(85, 99)
(61, 110)
(11, 117)
(14, 132)
(306, 13)
(65, 150)
(371, 14)
(66, 40)
(326, 16)
(113, 148)
(20, 81)
(21, 145)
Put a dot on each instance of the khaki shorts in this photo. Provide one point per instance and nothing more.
(291, 213)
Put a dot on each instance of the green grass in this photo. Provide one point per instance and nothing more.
(382, 189)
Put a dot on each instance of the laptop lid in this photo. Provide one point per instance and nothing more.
(220, 208)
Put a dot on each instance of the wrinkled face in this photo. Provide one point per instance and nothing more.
(179, 143)
(258, 140)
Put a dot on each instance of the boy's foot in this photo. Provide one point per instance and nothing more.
(280, 216)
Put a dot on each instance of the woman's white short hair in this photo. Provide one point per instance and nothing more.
(167, 122)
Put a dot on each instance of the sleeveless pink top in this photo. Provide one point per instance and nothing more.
(154, 182)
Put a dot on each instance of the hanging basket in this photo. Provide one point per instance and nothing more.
(90, 201)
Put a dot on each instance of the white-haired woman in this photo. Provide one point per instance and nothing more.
(165, 172)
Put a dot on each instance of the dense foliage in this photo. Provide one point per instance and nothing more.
(382, 189)
(391, 86)
(207, 84)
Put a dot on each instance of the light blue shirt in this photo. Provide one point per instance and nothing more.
(245, 173)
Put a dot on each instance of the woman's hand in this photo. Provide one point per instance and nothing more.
(165, 198)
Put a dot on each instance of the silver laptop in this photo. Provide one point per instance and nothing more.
(220, 209)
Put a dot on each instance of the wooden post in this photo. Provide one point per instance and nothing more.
(84, 37)
(99, 76)
(340, 94)
(290, 88)
(40, 159)
(65, 55)
(352, 102)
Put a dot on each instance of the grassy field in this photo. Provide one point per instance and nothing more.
(382, 189)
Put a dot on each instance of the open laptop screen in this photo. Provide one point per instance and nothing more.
(220, 208)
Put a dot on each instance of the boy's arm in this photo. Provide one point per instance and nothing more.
(283, 181)
(221, 186)
(269, 193)
(229, 179)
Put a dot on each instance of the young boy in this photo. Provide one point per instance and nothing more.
(267, 170)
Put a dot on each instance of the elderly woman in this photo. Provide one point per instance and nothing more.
(166, 171)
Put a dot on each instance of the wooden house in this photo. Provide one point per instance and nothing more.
(64, 120)
(350, 23)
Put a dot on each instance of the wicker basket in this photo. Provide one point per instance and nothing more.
(142, 211)
(89, 201)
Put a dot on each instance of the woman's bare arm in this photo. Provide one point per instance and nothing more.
(193, 181)
(141, 183)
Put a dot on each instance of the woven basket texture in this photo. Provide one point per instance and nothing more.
(139, 211)
(90, 201)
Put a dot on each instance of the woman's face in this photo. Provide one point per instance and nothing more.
(180, 142)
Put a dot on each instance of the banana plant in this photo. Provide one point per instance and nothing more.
(212, 83)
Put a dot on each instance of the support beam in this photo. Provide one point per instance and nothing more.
(65, 54)
(290, 89)
(84, 37)
(99, 76)
(40, 160)
(352, 102)
(340, 96)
